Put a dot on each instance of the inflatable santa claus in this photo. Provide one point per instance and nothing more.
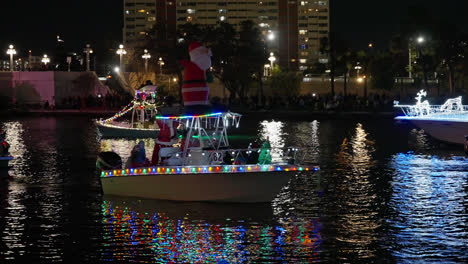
(195, 85)
(166, 138)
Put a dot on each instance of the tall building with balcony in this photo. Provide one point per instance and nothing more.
(292, 29)
(139, 17)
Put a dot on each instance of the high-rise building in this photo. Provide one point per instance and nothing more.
(292, 29)
(139, 17)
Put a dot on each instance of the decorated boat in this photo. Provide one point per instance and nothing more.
(202, 167)
(192, 158)
(447, 122)
(134, 120)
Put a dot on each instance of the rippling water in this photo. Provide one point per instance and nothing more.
(386, 193)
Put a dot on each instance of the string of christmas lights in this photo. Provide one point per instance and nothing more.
(134, 103)
(205, 169)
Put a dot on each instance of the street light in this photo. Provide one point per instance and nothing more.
(161, 63)
(121, 51)
(173, 79)
(266, 70)
(272, 58)
(11, 51)
(88, 51)
(357, 68)
(419, 40)
(146, 56)
(45, 59)
(271, 35)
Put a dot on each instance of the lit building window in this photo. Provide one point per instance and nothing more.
(191, 11)
(302, 60)
(222, 18)
(141, 11)
(302, 32)
(189, 19)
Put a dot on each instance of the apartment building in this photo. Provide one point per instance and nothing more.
(292, 29)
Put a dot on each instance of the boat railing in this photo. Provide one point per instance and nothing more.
(196, 156)
(434, 111)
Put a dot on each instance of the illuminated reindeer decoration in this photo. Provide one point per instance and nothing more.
(421, 108)
(452, 105)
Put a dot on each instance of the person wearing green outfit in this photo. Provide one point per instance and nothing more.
(265, 156)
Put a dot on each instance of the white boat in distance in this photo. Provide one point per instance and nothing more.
(143, 108)
(201, 172)
(447, 122)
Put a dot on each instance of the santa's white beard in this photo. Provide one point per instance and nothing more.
(201, 57)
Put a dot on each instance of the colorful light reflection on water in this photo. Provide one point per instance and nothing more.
(429, 204)
(141, 233)
(374, 201)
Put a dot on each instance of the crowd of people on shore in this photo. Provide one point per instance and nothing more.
(311, 102)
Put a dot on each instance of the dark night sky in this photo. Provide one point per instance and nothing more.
(34, 24)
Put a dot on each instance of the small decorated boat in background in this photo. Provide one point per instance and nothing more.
(203, 167)
(447, 122)
(142, 108)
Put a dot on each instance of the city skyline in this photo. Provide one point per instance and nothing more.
(101, 23)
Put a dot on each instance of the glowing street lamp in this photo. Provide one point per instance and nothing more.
(173, 79)
(271, 36)
(11, 51)
(266, 70)
(272, 58)
(88, 51)
(45, 59)
(419, 40)
(357, 68)
(161, 63)
(121, 51)
(146, 56)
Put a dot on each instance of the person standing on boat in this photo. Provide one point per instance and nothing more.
(265, 155)
(4, 146)
(196, 77)
(138, 156)
(166, 138)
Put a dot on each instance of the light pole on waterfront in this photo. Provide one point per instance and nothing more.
(121, 51)
(272, 58)
(11, 51)
(88, 51)
(357, 68)
(45, 60)
(161, 63)
(419, 40)
(30, 60)
(174, 80)
(146, 56)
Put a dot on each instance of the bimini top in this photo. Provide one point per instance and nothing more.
(195, 116)
(148, 89)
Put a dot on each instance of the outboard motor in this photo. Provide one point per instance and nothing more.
(466, 144)
(108, 160)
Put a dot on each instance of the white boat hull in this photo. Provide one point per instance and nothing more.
(116, 131)
(214, 187)
(444, 130)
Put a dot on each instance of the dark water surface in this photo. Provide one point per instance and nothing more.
(386, 193)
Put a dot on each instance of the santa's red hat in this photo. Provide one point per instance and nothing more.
(194, 45)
